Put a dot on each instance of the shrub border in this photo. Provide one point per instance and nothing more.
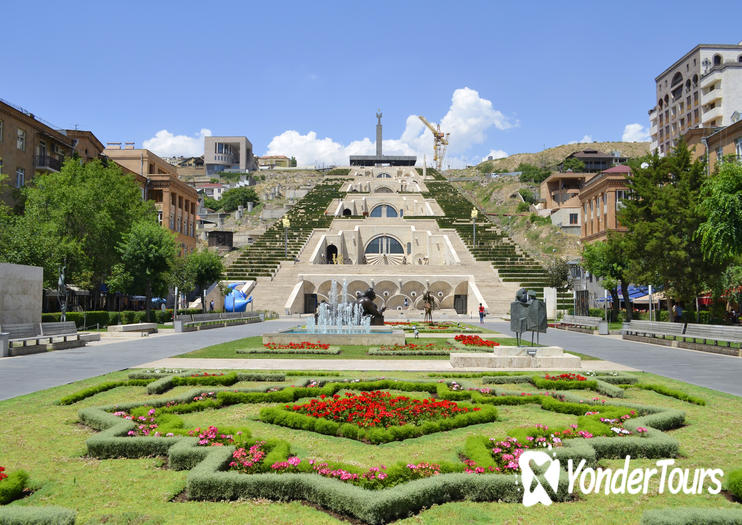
(51, 515)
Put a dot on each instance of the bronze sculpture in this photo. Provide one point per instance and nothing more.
(366, 301)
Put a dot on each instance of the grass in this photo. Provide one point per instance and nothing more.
(46, 440)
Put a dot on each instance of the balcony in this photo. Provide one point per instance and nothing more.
(47, 163)
(711, 96)
(711, 115)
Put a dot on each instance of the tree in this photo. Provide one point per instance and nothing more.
(181, 278)
(231, 199)
(721, 233)
(212, 204)
(531, 173)
(148, 253)
(662, 217)
(573, 164)
(557, 273)
(292, 162)
(605, 259)
(76, 215)
(205, 268)
(485, 168)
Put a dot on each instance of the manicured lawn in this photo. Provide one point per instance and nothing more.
(229, 350)
(47, 440)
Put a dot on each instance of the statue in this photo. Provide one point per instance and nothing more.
(527, 314)
(366, 301)
(428, 305)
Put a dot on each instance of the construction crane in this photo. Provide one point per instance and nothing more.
(440, 143)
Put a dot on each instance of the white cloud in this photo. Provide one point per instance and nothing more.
(468, 119)
(635, 133)
(585, 139)
(166, 144)
(495, 154)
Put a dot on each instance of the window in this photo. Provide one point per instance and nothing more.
(21, 140)
(20, 177)
(717, 60)
(384, 244)
(1, 130)
(159, 218)
(737, 147)
(573, 218)
(383, 210)
(719, 154)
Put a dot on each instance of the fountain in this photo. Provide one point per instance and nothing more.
(339, 321)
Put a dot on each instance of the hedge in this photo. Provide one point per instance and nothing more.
(91, 391)
(734, 483)
(11, 488)
(15, 515)
(692, 516)
(171, 381)
(287, 418)
(665, 391)
(105, 318)
(369, 506)
(374, 351)
(333, 350)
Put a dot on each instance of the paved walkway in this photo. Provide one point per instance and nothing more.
(25, 374)
(392, 365)
(719, 372)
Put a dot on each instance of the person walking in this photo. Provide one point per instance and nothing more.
(481, 314)
(211, 306)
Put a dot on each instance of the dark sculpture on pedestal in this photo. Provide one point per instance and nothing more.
(366, 301)
(527, 314)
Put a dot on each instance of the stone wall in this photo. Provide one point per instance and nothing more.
(20, 293)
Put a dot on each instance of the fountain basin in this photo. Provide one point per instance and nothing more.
(552, 357)
(375, 337)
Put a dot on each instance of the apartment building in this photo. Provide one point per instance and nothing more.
(86, 144)
(703, 88)
(228, 154)
(176, 201)
(595, 161)
(600, 199)
(270, 162)
(28, 145)
(561, 195)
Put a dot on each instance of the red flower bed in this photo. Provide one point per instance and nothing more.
(565, 377)
(474, 340)
(2, 474)
(408, 346)
(304, 345)
(206, 374)
(378, 409)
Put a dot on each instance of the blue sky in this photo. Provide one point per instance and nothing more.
(525, 74)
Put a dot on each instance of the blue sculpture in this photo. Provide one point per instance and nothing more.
(235, 300)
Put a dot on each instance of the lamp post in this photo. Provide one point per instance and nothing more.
(286, 223)
(474, 213)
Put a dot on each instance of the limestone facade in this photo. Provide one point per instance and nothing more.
(20, 293)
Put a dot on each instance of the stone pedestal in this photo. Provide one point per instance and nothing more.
(4, 344)
(552, 357)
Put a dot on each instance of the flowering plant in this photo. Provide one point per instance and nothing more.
(379, 409)
(304, 345)
(211, 437)
(207, 374)
(474, 340)
(565, 377)
(248, 461)
(3, 475)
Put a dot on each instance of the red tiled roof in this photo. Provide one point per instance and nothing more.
(618, 169)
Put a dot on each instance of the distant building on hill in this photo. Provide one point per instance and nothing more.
(561, 195)
(269, 162)
(595, 161)
(702, 89)
(233, 154)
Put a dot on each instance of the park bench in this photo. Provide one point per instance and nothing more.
(191, 322)
(714, 332)
(581, 321)
(656, 329)
(25, 338)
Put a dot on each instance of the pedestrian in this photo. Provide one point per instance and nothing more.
(406, 303)
(675, 313)
(211, 306)
(481, 314)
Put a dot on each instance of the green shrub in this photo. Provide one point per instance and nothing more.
(691, 516)
(11, 488)
(523, 207)
(665, 391)
(15, 515)
(734, 483)
(91, 391)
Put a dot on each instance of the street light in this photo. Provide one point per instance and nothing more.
(286, 223)
(474, 213)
